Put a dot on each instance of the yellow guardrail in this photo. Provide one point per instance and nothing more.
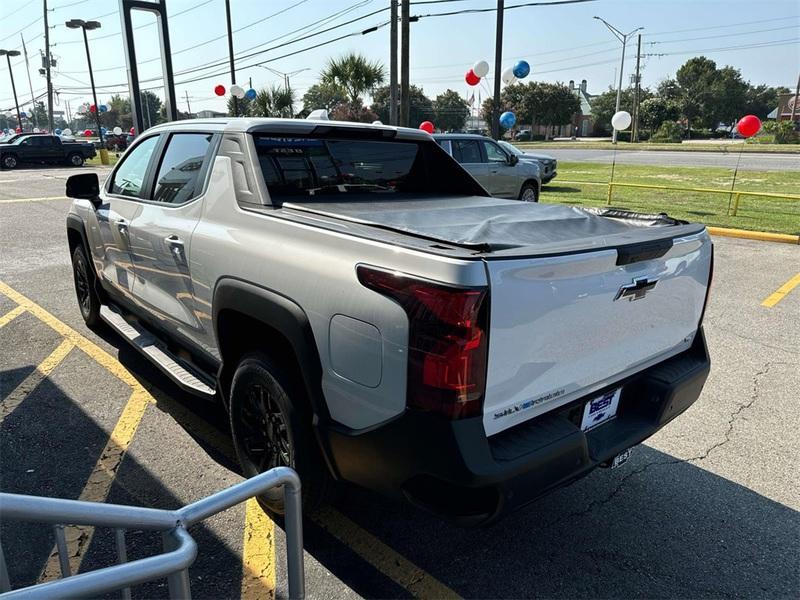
(735, 194)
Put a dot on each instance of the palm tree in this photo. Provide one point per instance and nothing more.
(354, 74)
(275, 101)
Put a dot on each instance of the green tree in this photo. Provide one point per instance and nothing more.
(323, 95)
(39, 115)
(761, 100)
(604, 106)
(450, 111)
(654, 111)
(697, 79)
(151, 109)
(244, 106)
(352, 111)
(728, 97)
(420, 106)
(355, 74)
(275, 101)
(669, 89)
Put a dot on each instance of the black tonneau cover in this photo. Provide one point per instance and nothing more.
(492, 225)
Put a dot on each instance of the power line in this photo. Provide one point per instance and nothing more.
(467, 11)
(36, 20)
(722, 35)
(26, 5)
(722, 26)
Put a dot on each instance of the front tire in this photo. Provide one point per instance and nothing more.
(271, 426)
(529, 193)
(76, 160)
(9, 161)
(88, 300)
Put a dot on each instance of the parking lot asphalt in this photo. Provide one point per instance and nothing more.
(706, 508)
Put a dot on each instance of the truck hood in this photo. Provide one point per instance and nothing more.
(492, 225)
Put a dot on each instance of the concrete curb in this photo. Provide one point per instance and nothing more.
(762, 236)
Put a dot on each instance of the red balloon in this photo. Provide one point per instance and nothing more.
(133, 131)
(471, 78)
(749, 125)
(87, 133)
(18, 130)
(426, 126)
(93, 108)
(219, 90)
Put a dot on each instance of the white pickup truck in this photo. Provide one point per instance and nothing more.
(367, 313)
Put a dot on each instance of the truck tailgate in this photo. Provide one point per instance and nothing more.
(564, 326)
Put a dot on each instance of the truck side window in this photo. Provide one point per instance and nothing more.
(129, 177)
(177, 176)
(494, 154)
(466, 151)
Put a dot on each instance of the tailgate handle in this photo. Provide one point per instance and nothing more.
(634, 253)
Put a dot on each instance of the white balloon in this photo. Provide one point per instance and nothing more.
(508, 76)
(117, 130)
(481, 68)
(35, 130)
(237, 91)
(621, 120)
(67, 132)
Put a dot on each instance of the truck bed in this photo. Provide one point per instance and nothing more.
(502, 228)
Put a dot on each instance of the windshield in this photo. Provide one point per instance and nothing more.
(320, 168)
(511, 148)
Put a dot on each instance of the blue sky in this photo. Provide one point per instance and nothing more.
(759, 37)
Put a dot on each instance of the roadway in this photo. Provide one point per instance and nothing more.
(751, 161)
(706, 508)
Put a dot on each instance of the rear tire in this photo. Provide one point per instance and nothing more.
(529, 193)
(9, 161)
(88, 300)
(271, 426)
(76, 160)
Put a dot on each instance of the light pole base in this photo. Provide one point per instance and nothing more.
(104, 157)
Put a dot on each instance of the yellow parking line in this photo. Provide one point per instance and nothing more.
(258, 554)
(402, 571)
(781, 292)
(13, 200)
(31, 382)
(99, 483)
(110, 363)
(11, 315)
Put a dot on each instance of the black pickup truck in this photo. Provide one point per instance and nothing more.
(42, 149)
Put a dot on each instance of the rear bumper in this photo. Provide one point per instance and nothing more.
(453, 469)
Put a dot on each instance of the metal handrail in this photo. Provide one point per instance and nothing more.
(180, 548)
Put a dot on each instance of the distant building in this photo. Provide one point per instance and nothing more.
(582, 122)
(783, 112)
(210, 114)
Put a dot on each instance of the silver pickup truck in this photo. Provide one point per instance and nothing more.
(367, 313)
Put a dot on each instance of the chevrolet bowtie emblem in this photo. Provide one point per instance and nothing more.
(637, 289)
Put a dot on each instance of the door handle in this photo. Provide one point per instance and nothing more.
(122, 226)
(175, 245)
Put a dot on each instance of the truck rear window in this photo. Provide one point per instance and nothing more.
(312, 167)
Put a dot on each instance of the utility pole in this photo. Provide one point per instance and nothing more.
(47, 61)
(9, 54)
(796, 99)
(498, 61)
(622, 37)
(405, 100)
(635, 133)
(230, 55)
(30, 83)
(188, 106)
(393, 62)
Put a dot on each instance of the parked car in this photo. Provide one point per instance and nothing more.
(547, 164)
(15, 136)
(523, 135)
(366, 312)
(499, 171)
(116, 142)
(43, 149)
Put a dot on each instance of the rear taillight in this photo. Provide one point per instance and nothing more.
(447, 341)
(708, 287)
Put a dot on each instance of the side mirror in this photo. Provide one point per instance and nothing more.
(85, 186)
(513, 159)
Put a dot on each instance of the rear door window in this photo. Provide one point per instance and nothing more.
(494, 154)
(130, 175)
(467, 151)
(178, 176)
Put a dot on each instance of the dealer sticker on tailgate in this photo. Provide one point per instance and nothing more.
(599, 410)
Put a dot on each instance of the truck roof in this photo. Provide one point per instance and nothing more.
(285, 126)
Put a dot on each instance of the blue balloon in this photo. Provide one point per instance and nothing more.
(23, 114)
(103, 130)
(103, 108)
(57, 132)
(508, 119)
(250, 94)
(521, 69)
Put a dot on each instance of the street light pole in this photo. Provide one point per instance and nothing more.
(89, 25)
(9, 54)
(622, 37)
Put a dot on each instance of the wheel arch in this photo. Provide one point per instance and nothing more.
(76, 236)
